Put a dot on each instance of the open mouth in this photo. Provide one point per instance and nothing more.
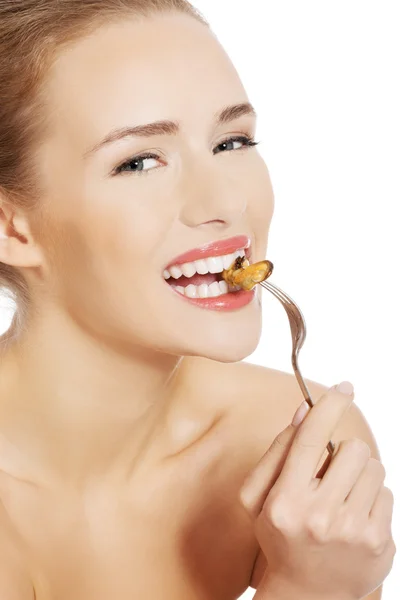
(203, 278)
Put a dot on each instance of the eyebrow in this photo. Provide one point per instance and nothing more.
(228, 114)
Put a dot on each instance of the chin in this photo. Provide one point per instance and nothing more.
(228, 345)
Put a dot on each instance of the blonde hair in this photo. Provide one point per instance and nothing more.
(32, 32)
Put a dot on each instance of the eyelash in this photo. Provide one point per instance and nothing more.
(248, 142)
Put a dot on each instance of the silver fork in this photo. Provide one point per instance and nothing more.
(298, 330)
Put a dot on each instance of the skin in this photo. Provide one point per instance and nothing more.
(128, 421)
(98, 384)
(105, 325)
(327, 535)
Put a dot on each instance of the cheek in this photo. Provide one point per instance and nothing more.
(130, 244)
(131, 218)
(262, 204)
(94, 271)
(119, 252)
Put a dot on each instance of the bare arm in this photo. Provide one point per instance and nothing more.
(259, 571)
(266, 593)
(15, 583)
(283, 594)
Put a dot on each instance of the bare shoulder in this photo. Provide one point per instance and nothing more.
(15, 583)
(262, 401)
(257, 401)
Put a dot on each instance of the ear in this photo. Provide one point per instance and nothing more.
(17, 245)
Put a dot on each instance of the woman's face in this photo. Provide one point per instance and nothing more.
(120, 230)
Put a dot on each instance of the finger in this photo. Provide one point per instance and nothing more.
(367, 488)
(382, 510)
(324, 466)
(327, 462)
(344, 473)
(314, 434)
(262, 478)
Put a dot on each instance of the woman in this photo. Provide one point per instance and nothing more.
(127, 169)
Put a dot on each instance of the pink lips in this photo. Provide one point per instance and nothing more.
(225, 302)
(218, 248)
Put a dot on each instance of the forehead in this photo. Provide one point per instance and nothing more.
(155, 68)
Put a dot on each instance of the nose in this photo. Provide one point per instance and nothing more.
(209, 196)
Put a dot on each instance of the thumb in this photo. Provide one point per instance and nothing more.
(263, 477)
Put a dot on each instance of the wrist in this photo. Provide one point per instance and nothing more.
(274, 589)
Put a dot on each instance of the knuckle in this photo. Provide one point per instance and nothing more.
(377, 547)
(377, 467)
(375, 540)
(389, 494)
(279, 514)
(318, 526)
(280, 441)
(357, 446)
(274, 511)
(349, 529)
(303, 440)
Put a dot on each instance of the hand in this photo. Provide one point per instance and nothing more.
(322, 537)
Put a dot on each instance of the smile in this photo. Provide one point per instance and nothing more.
(203, 278)
(197, 275)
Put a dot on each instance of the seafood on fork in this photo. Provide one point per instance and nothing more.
(245, 275)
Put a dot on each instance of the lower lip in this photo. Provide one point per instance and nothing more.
(230, 301)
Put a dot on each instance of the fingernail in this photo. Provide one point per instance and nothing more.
(345, 388)
(300, 413)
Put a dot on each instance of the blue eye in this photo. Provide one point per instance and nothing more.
(137, 162)
(239, 139)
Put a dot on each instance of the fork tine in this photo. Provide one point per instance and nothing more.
(291, 308)
(281, 294)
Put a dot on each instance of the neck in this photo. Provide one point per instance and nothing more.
(72, 407)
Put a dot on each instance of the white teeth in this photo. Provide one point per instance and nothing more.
(217, 288)
(175, 272)
(191, 291)
(228, 260)
(214, 290)
(223, 286)
(188, 269)
(202, 290)
(201, 267)
(213, 264)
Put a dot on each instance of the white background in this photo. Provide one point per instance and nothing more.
(324, 78)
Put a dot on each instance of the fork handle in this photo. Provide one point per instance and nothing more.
(330, 446)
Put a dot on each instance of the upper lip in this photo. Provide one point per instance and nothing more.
(217, 248)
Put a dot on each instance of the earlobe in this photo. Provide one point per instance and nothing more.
(18, 248)
(16, 254)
